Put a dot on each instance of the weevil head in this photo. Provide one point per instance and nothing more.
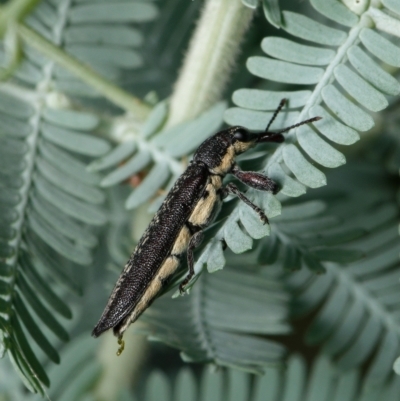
(242, 140)
(219, 151)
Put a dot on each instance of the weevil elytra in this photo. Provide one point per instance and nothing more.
(177, 227)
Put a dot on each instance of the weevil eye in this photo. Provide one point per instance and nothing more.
(241, 135)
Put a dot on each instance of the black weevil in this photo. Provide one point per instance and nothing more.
(188, 209)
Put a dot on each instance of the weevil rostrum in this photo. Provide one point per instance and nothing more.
(177, 227)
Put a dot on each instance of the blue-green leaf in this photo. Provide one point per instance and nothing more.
(305, 172)
(359, 89)
(306, 28)
(318, 149)
(288, 50)
(282, 71)
(346, 110)
(380, 47)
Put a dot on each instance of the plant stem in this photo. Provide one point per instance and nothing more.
(14, 11)
(210, 58)
(121, 98)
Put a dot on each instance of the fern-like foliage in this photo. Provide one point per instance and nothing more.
(297, 382)
(223, 318)
(101, 35)
(50, 207)
(357, 317)
(79, 370)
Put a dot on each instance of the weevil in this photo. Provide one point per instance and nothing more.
(177, 227)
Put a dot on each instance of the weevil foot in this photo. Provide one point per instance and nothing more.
(182, 286)
(262, 215)
(121, 344)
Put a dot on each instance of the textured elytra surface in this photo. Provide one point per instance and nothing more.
(155, 246)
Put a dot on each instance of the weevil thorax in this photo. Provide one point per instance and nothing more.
(219, 151)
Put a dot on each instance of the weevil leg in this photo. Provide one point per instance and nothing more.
(194, 242)
(233, 189)
(255, 180)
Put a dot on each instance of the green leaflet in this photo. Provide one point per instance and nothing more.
(281, 71)
(111, 35)
(303, 27)
(136, 163)
(333, 129)
(288, 50)
(289, 186)
(256, 99)
(68, 204)
(58, 242)
(70, 165)
(348, 112)
(118, 12)
(318, 149)
(360, 90)
(236, 239)
(155, 120)
(71, 119)
(272, 12)
(217, 259)
(35, 331)
(335, 11)
(301, 168)
(119, 58)
(46, 291)
(148, 188)
(74, 141)
(380, 47)
(396, 366)
(250, 3)
(12, 106)
(117, 155)
(68, 184)
(392, 5)
(372, 72)
(253, 225)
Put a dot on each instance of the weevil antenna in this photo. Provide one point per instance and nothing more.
(276, 112)
(310, 120)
